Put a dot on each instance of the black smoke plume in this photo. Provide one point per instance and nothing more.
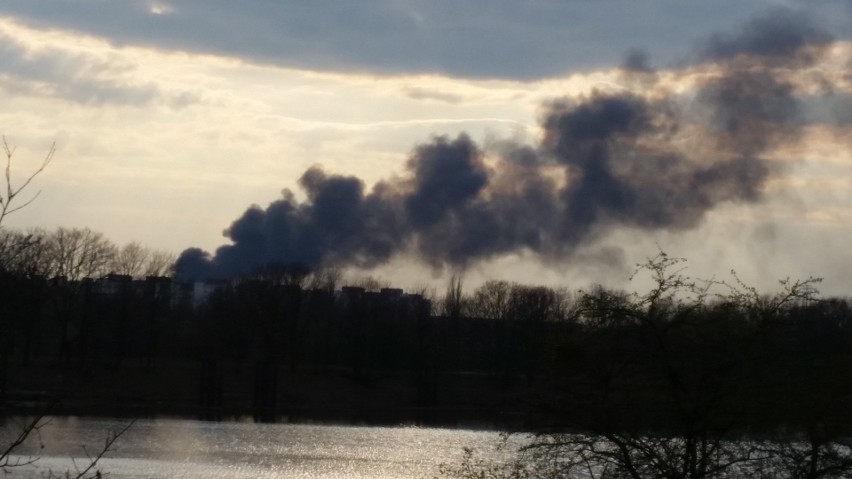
(607, 160)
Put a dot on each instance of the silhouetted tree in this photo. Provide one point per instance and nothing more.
(16, 251)
(77, 253)
(9, 197)
(326, 278)
(22, 253)
(454, 302)
(160, 263)
(23, 266)
(137, 261)
(674, 383)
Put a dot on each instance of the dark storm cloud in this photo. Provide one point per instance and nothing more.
(606, 160)
(469, 39)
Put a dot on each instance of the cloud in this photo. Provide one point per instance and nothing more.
(80, 76)
(420, 93)
(67, 75)
(520, 40)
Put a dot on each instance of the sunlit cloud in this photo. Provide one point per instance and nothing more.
(77, 69)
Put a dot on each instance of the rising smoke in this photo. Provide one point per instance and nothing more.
(609, 159)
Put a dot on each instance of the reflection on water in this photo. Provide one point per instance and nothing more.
(168, 448)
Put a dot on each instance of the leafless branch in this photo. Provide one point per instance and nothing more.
(91, 471)
(10, 195)
(32, 427)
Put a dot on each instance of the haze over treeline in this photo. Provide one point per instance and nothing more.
(651, 157)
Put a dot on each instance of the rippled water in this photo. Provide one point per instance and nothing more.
(187, 449)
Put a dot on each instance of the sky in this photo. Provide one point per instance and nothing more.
(543, 141)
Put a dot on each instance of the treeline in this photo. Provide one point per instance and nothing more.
(251, 344)
(695, 364)
(75, 254)
(691, 380)
(49, 304)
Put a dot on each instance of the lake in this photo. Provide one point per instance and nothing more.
(189, 449)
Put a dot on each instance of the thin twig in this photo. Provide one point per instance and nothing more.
(11, 191)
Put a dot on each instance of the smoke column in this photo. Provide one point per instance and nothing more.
(605, 160)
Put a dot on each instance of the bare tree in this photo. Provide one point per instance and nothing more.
(160, 263)
(90, 469)
(28, 254)
(454, 304)
(7, 461)
(10, 196)
(326, 279)
(492, 300)
(78, 253)
(32, 428)
(130, 259)
(18, 249)
(670, 389)
(23, 253)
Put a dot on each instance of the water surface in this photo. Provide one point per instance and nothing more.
(188, 449)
